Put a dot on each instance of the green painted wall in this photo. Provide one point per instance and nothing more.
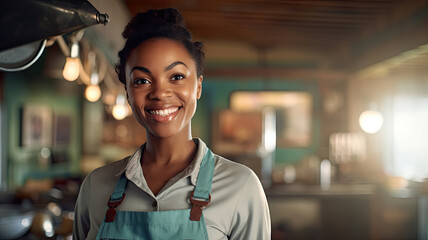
(30, 86)
(63, 98)
(216, 96)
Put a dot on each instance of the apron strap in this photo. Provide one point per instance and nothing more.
(200, 196)
(203, 182)
(116, 198)
(119, 190)
(205, 177)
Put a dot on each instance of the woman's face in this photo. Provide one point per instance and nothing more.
(162, 87)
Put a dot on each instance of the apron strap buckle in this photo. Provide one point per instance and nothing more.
(197, 205)
(111, 212)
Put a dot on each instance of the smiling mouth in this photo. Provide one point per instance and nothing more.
(164, 112)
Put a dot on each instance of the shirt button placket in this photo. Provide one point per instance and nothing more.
(155, 204)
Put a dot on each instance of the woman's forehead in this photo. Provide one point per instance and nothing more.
(156, 52)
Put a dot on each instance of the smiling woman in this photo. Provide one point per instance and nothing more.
(159, 84)
(170, 180)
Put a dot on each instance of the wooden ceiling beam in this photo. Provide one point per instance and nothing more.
(391, 41)
(329, 27)
(302, 3)
(209, 19)
(300, 9)
(247, 17)
(274, 6)
(309, 35)
(287, 74)
(264, 38)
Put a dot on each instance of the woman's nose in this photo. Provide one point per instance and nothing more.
(160, 91)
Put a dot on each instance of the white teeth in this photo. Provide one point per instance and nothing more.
(164, 112)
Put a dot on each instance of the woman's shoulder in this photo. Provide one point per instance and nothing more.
(98, 185)
(225, 168)
(112, 169)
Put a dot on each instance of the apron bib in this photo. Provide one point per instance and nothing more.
(160, 225)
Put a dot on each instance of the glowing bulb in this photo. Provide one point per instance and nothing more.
(371, 121)
(269, 135)
(71, 69)
(93, 93)
(120, 111)
(94, 78)
(48, 227)
(74, 51)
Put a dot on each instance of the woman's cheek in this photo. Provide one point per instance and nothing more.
(192, 93)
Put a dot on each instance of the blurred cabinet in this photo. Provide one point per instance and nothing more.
(348, 211)
(307, 212)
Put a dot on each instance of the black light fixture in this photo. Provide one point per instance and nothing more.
(26, 24)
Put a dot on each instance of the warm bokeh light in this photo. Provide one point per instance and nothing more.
(93, 93)
(71, 69)
(120, 111)
(269, 132)
(325, 174)
(409, 131)
(371, 121)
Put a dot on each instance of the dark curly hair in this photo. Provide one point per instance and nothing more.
(163, 23)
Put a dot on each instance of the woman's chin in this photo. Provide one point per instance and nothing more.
(165, 133)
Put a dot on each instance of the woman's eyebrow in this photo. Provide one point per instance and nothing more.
(169, 67)
(143, 69)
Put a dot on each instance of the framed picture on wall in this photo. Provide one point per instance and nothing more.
(62, 130)
(36, 127)
(293, 113)
(237, 132)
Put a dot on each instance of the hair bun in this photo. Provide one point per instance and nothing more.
(168, 15)
(163, 23)
(153, 18)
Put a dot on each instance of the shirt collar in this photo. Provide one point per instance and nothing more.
(193, 169)
(132, 163)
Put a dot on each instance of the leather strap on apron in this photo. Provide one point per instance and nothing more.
(199, 198)
(116, 198)
(172, 224)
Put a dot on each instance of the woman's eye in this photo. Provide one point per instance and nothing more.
(177, 77)
(140, 81)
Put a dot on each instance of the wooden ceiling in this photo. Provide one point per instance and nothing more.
(336, 28)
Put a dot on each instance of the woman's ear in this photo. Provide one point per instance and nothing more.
(199, 89)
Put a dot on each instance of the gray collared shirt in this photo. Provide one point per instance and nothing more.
(238, 208)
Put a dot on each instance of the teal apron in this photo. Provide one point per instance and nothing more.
(158, 225)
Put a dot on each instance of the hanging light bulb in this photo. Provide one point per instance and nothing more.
(71, 69)
(72, 64)
(371, 121)
(120, 110)
(93, 93)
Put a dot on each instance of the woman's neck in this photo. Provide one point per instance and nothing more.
(164, 158)
(166, 151)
